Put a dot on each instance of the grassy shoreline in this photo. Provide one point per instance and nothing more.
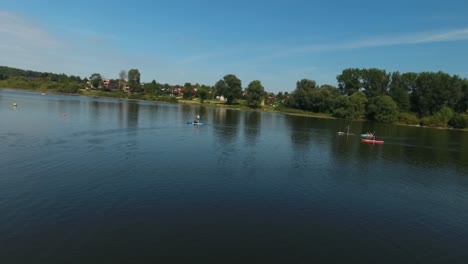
(207, 103)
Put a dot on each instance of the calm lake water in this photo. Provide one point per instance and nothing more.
(94, 180)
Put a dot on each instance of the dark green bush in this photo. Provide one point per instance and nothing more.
(459, 121)
(408, 119)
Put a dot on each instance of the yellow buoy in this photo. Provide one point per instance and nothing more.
(14, 104)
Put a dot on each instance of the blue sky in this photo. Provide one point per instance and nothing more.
(276, 42)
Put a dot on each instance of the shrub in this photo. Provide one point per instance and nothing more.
(340, 113)
(439, 119)
(408, 119)
(169, 99)
(459, 121)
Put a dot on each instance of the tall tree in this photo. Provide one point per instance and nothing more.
(435, 90)
(188, 90)
(306, 84)
(326, 99)
(96, 80)
(400, 87)
(255, 93)
(151, 88)
(462, 105)
(358, 102)
(302, 96)
(299, 99)
(229, 87)
(349, 81)
(134, 80)
(202, 92)
(122, 78)
(375, 82)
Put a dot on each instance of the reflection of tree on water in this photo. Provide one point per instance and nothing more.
(442, 147)
(184, 108)
(252, 125)
(226, 132)
(300, 130)
(344, 146)
(128, 113)
(94, 112)
(132, 115)
(151, 110)
(301, 138)
(201, 111)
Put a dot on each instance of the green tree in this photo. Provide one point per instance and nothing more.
(324, 99)
(375, 82)
(306, 84)
(187, 91)
(203, 92)
(358, 101)
(255, 93)
(299, 99)
(400, 87)
(122, 78)
(462, 104)
(302, 96)
(349, 81)
(63, 78)
(96, 80)
(433, 91)
(219, 87)
(134, 80)
(341, 107)
(230, 87)
(53, 77)
(351, 107)
(382, 109)
(151, 88)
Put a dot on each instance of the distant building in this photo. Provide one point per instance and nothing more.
(110, 84)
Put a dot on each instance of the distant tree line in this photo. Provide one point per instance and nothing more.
(42, 81)
(426, 98)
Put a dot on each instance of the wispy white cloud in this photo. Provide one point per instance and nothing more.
(379, 41)
(272, 55)
(277, 58)
(28, 43)
(17, 28)
(213, 54)
(199, 57)
(431, 37)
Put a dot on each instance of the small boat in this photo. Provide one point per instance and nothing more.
(195, 123)
(365, 140)
(366, 136)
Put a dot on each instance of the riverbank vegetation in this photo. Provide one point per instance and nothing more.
(435, 99)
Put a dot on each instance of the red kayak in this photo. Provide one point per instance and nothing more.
(372, 141)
